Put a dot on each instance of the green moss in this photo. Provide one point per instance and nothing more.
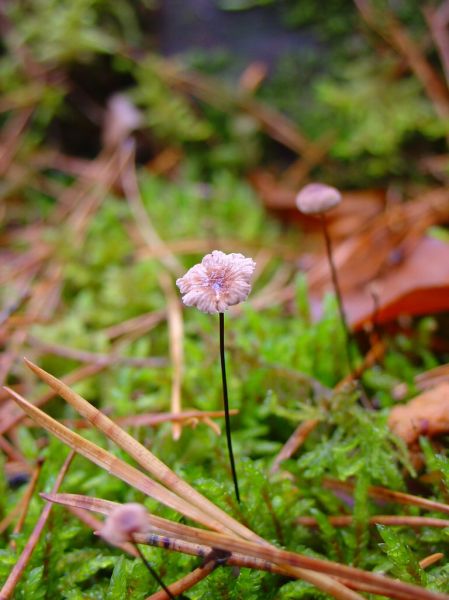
(280, 370)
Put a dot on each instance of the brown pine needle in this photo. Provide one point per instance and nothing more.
(176, 337)
(115, 466)
(186, 582)
(11, 451)
(194, 503)
(10, 418)
(159, 526)
(392, 520)
(145, 458)
(20, 566)
(430, 560)
(145, 322)
(84, 356)
(294, 442)
(387, 495)
(6, 521)
(25, 502)
(153, 419)
(160, 538)
(145, 227)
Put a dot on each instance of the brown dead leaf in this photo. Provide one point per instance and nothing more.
(427, 414)
(418, 285)
(388, 248)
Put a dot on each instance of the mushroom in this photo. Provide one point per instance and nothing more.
(218, 282)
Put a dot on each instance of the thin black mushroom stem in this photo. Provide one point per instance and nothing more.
(226, 408)
(316, 199)
(153, 572)
(218, 282)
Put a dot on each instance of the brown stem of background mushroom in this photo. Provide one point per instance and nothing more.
(316, 199)
(337, 290)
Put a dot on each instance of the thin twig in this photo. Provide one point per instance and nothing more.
(11, 451)
(146, 322)
(6, 521)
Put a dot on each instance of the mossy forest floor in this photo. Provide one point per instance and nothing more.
(106, 200)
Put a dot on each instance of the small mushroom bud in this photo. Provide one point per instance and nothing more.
(123, 522)
(317, 198)
(120, 526)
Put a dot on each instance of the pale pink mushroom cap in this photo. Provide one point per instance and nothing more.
(218, 282)
(317, 198)
(123, 521)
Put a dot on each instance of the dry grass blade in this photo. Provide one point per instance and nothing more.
(145, 458)
(19, 567)
(176, 336)
(115, 466)
(158, 525)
